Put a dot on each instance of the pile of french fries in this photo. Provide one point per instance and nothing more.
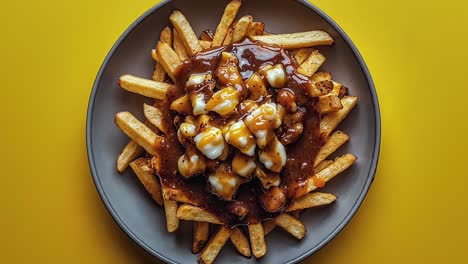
(179, 44)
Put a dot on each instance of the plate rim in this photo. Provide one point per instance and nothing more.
(370, 175)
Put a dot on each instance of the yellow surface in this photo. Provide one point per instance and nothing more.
(415, 212)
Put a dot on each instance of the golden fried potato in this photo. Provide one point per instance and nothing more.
(230, 13)
(240, 241)
(194, 213)
(256, 29)
(311, 64)
(336, 140)
(168, 58)
(331, 121)
(311, 200)
(241, 28)
(187, 35)
(148, 179)
(338, 166)
(138, 132)
(321, 76)
(128, 154)
(228, 39)
(216, 243)
(297, 40)
(328, 103)
(257, 240)
(154, 116)
(302, 54)
(148, 88)
(201, 231)
(292, 225)
(322, 165)
(172, 222)
(179, 47)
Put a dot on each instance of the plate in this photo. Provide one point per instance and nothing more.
(125, 198)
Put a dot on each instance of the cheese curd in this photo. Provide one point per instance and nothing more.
(228, 73)
(186, 130)
(199, 104)
(210, 142)
(224, 101)
(224, 183)
(239, 136)
(276, 75)
(262, 121)
(273, 157)
(243, 165)
(182, 105)
(267, 178)
(190, 164)
(197, 79)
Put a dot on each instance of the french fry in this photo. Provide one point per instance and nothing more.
(257, 240)
(138, 132)
(268, 226)
(148, 88)
(168, 58)
(194, 213)
(336, 88)
(201, 231)
(296, 214)
(256, 29)
(187, 35)
(166, 36)
(182, 105)
(228, 39)
(292, 225)
(205, 44)
(322, 165)
(329, 103)
(179, 46)
(331, 121)
(154, 116)
(297, 40)
(159, 74)
(148, 180)
(325, 87)
(131, 151)
(314, 90)
(128, 154)
(172, 222)
(216, 243)
(240, 241)
(311, 64)
(207, 35)
(336, 140)
(302, 54)
(338, 166)
(229, 14)
(154, 55)
(321, 76)
(241, 28)
(311, 200)
(177, 195)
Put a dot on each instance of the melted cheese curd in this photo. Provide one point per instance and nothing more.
(230, 129)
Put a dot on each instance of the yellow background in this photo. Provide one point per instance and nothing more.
(416, 210)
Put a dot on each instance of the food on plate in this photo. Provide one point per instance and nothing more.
(240, 133)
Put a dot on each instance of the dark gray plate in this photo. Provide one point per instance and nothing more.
(126, 199)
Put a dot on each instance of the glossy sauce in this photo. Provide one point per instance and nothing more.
(301, 155)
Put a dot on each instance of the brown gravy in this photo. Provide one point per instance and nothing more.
(300, 155)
